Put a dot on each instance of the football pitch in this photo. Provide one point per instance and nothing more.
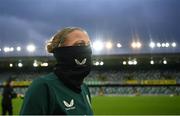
(128, 105)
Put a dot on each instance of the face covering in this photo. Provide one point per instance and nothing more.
(73, 65)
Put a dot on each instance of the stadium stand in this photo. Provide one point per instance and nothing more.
(112, 78)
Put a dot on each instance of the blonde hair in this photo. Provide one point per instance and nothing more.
(58, 39)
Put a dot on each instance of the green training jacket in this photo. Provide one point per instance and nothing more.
(48, 95)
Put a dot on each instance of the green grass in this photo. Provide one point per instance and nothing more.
(137, 105)
(149, 105)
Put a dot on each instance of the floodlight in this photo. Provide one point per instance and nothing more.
(18, 48)
(109, 45)
(135, 62)
(10, 65)
(20, 64)
(164, 62)
(6, 49)
(173, 44)
(152, 62)
(124, 63)
(98, 45)
(163, 45)
(31, 48)
(119, 45)
(101, 63)
(167, 45)
(133, 45)
(158, 45)
(96, 63)
(138, 44)
(35, 64)
(130, 62)
(152, 45)
(45, 64)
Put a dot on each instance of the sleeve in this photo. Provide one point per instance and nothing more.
(36, 99)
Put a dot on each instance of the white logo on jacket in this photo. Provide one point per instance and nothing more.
(69, 106)
(80, 63)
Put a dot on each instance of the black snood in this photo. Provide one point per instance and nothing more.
(73, 65)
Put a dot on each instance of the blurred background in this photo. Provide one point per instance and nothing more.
(135, 43)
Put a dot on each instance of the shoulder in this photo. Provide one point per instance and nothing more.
(44, 79)
(85, 88)
(37, 98)
(42, 82)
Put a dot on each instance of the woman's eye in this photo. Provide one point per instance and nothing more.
(79, 44)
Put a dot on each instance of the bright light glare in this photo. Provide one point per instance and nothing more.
(167, 45)
(133, 45)
(173, 44)
(11, 49)
(97, 45)
(31, 48)
(109, 45)
(136, 45)
(18, 48)
(151, 62)
(119, 45)
(163, 45)
(152, 45)
(101, 63)
(135, 62)
(164, 62)
(158, 45)
(20, 64)
(10, 65)
(45, 64)
(35, 64)
(6, 49)
(124, 63)
(97, 63)
(130, 62)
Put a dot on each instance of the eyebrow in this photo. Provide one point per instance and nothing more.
(81, 42)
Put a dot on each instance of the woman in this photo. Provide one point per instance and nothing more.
(62, 91)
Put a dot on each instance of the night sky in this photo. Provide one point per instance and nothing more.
(35, 21)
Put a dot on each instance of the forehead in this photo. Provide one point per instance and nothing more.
(77, 35)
